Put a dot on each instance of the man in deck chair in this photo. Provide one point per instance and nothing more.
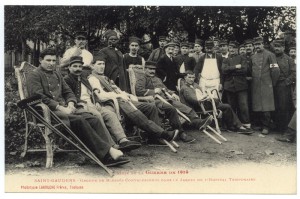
(151, 85)
(142, 114)
(78, 82)
(191, 95)
(57, 95)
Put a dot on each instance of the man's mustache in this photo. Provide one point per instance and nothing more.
(77, 71)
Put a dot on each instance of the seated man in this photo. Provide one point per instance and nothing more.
(143, 115)
(77, 80)
(191, 95)
(50, 85)
(149, 85)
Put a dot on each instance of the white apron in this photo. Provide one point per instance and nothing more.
(210, 76)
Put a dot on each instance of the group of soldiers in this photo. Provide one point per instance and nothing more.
(175, 82)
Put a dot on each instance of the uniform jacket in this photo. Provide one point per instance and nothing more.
(263, 78)
(199, 66)
(235, 79)
(167, 68)
(156, 54)
(188, 96)
(287, 68)
(51, 87)
(189, 62)
(114, 66)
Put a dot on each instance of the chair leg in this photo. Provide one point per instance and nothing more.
(26, 141)
(212, 137)
(49, 148)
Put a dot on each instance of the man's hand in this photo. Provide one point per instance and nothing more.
(157, 90)
(71, 106)
(175, 97)
(65, 110)
(238, 66)
(220, 87)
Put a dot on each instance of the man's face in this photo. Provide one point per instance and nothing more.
(191, 50)
(113, 41)
(76, 68)
(197, 48)
(80, 42)
(170, 50)
(134, 47)
(162, 43)
(209, 49)
(242, 51)
(259, 47)
(292, 53)
(176, 50)
(249, 48)
(48, 63)
(233, 50)
(99, 67)
(278, 49)
(190, 78)
(224, 48)
(150, 71)
(184, 50)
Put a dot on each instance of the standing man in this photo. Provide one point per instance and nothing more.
(77, 81)
(198, 50)
(293, 53)
(242, 50)
(167, 69)
(115, 68)
(208, 70)
(265, 72)
(50, 85)
(283, 89)
(224, 48)
(235, 69)
(158, 52)
(78, 50)
(183, 61)
(132, 59)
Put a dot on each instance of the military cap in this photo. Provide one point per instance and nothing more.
(134, 39)
(81, 34)
(191, 45)
(98, 58)
(176, 43)
(234, 44)
(75, 59)
(184, 44)
(199, 41)
(248, 41)
(150, 64)
(110, 33)
(162, 38)
(223, 42)
(258, 40)
(278, 42)
(242, 45)
(293, 47)
(216, 39)
(170, 44)
(209, 43)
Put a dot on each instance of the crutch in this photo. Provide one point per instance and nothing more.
(29, 105)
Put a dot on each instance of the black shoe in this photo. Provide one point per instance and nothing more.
(129, 145)
(110, 162)
(245, 131)
(186, 138)
(169, 135)
(285, 139)
(207, 121)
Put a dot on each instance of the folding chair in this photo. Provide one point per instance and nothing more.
(214, 112)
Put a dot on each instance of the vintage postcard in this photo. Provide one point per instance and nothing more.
(146, 64)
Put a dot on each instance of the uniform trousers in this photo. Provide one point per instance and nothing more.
(89, 130)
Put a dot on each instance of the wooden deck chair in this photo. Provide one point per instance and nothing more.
(31, 123)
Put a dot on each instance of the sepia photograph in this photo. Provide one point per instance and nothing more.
(150, 99)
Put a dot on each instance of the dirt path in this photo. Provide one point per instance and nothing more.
(242, 156)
